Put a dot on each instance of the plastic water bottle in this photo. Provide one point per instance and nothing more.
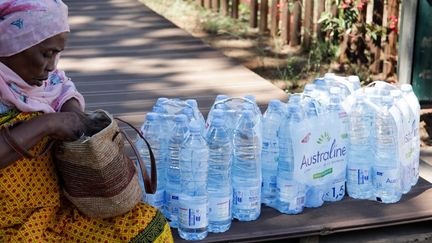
(354, 81)
(314, 194)
(159, 104)
(172, 191)
(336, 189)
(406, 139)
(197, 113)
(193, 201)
(219, 177)
(152, 132)
(270, 151)
(414, 104)
(360, 156)
(246, 169)
(386, 177)
(290, 194)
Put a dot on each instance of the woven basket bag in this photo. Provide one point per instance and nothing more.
(97, 175)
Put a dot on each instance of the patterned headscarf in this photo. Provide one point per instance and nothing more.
(23, 24)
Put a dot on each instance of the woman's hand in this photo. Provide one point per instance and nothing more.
(67, 126)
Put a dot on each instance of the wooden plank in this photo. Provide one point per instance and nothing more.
(207, 4)
(285, 22)
(376, 47)
(295, 24)
(253, 20)
(274, 18)
(235, 8)
(225, 7)
(390, 50)
(263, 16)
(308, 23)
(320, 8)
(215, 5)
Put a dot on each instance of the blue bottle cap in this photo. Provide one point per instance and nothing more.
(180, 118)
(218, 122)
(194, 126)
(192, 102)
(218, 113)
(221, 97)
(275, 104)
(152, 116)
(250, 97)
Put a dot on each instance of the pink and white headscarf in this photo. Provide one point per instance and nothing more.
(23, 24)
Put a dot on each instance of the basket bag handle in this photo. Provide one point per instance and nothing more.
(150, 184)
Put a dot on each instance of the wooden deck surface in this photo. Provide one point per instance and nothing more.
(122, 56)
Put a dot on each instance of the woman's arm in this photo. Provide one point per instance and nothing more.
(61, 126)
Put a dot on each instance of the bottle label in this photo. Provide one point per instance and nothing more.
(290, 193)
(320, 148)
(388, 178)
(172, 200)
(359, 176)
(220, 209)
(194, 216)
(269, 185)
(247, 197)
(336, 191)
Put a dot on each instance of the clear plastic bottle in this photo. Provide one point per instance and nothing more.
(152, 132)
(193, 201)
(314, 194)
(414, 104)
(172, 191)
(270, 151)
(197, 113)
(219, 177)
(246, 169)
(354, 80)
(290, 194)
(406, 139)
(360, 156)
(336, 189)
(386, 177)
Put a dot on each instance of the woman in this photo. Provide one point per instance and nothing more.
(39, 103)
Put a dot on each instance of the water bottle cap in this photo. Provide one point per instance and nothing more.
(188, 112)
(218, 113)
(335, 90)
(387, 100)
(247, 113)
(294, 99)
(218, 122)
(248, 106)
(276, 104)
(250, 97)
(406, 88)
(319, 82)
(221, 97)
(180, 118)
(395, 93)
(161, 100)
(329, 76)
(192, 102)
(152, 116)
(194, 126)
(354, 79)
(309, 87)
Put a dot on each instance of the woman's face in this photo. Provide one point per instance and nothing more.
(34, 64)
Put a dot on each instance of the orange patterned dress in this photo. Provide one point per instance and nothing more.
(32, 208)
